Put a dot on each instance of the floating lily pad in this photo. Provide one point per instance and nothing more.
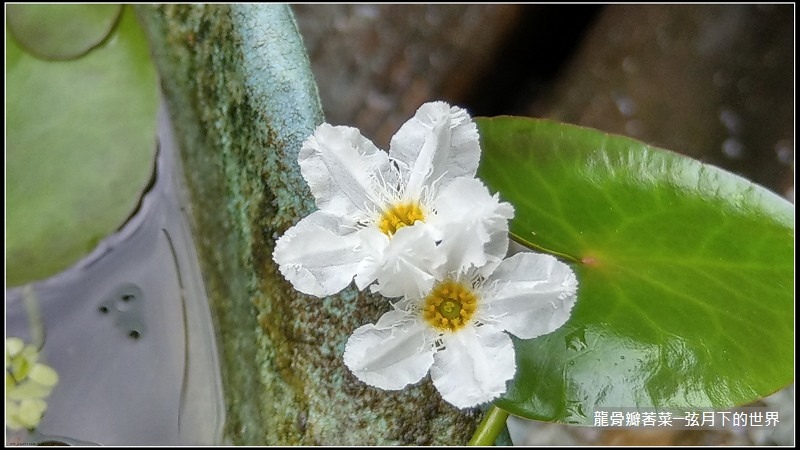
(79, 149)
(60, 32)
(686, 273)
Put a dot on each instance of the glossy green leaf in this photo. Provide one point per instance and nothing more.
(80, 142)
(60, 31)
(686, 272)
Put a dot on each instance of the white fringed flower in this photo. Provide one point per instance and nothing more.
(387, 218)
(456, 329)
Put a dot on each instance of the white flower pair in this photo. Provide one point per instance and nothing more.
(417, 224)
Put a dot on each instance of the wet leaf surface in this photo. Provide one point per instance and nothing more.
(685, 272)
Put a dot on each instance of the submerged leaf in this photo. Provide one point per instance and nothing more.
(80, 145)
(61, 32)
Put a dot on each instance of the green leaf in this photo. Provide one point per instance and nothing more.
(79, 147)
(685, 270)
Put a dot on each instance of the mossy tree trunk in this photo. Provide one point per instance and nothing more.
(242, 99)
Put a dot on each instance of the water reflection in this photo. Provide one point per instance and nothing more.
(129, 331)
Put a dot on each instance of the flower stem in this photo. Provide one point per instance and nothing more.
(490, 427)
(522, 241)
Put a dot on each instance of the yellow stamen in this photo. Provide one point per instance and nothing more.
(449, 306)
(398, 216)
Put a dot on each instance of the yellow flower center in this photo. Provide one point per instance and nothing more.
(450, 306)
(398, 216)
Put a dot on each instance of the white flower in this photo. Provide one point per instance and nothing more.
(457, 329)
(383, 217)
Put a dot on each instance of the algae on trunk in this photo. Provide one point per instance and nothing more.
(242, 98)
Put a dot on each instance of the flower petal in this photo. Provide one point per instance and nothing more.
(315, 257)
(344, 170)
(439, 141)
(399, 313)
(14, 346)
(473, 225)
(12, 416)
(530, 294)
(28, 389)
(372, 244)
(474, 366)
(31, 411)
(390, 358)
(43, 375)
(403, 266)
